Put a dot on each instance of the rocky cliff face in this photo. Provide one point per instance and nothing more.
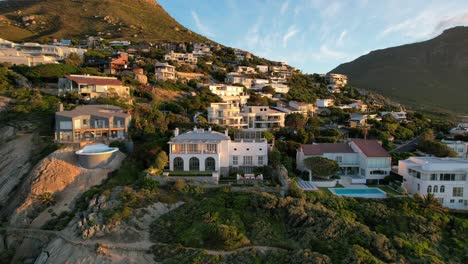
(59, 174)
(16, 151)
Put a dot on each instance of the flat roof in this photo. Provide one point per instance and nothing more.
(96, 110)
(96, 80)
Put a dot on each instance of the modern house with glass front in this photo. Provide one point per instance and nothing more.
(210, 151)
(89, 123)
(362, 159)
(446, 178)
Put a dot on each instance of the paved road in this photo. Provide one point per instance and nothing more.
(408, 146)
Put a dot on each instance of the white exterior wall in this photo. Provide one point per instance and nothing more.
(226, 149)
(368, 164)
(459, 147)
(414, 185)
(248, 148)
(347, 159)
(221, 159)
(226, 90)
(324, 103)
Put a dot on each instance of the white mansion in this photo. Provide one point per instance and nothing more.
(446, 178)
(211, 151)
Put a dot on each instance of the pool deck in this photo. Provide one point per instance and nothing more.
(346, 182)
(306, 186)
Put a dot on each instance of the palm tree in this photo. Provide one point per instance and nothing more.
(429, 202)
(46, 199)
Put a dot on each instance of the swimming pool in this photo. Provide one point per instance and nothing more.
(94, 156)
(359, 192)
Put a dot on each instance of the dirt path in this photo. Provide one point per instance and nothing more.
(142, 246)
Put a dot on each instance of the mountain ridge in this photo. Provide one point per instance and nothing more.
(425, 75)
(137, 20)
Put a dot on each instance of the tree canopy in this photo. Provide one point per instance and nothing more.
(321, 167)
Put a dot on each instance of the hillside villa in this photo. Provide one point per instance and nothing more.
(399, 116)
(324, 103)
(164, 71)
(363, 160)
(337, 80)
(460, 147)
(231, 114)
(92, 87)
(460, 129)
(181, 57)
(263, 118)
(90, 123)
(226, 114)
(445, 178)
(208, 151)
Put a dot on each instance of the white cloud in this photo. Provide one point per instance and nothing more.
(284, 7)
(340, 40)
(204, 30)
(458, 20)
(428, 23)
(292, 31)
(325, 51)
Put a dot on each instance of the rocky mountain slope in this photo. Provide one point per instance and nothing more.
(42, 20)
(430, 74)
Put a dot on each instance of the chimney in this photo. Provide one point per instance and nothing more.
(60, 107)
(176, 132)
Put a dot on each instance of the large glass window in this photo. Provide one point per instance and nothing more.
(414, 173)
(247, 160)
(192, 148)
(194, 164)
(178, 148)
(339, 159)
(260, 160)
(210, 164)
(457, 192)
(178, 164)
(211, 148)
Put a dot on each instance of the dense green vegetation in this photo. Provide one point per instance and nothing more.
(343, 230)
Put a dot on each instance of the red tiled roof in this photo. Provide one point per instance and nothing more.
(321, 148)
(81, 79)
(371, 148)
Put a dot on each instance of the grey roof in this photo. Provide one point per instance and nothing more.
(106, 111)
(200, 135)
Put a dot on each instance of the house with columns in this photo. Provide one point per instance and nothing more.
(202, 150)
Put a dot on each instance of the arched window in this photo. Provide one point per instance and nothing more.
(194, 164)
(210, 164)
(178, 164)
(436, 188)
(429, 189)
(442, 188)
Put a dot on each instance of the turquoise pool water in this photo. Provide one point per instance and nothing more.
(361, 192)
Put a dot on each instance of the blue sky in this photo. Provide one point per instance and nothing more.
(317, 35)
